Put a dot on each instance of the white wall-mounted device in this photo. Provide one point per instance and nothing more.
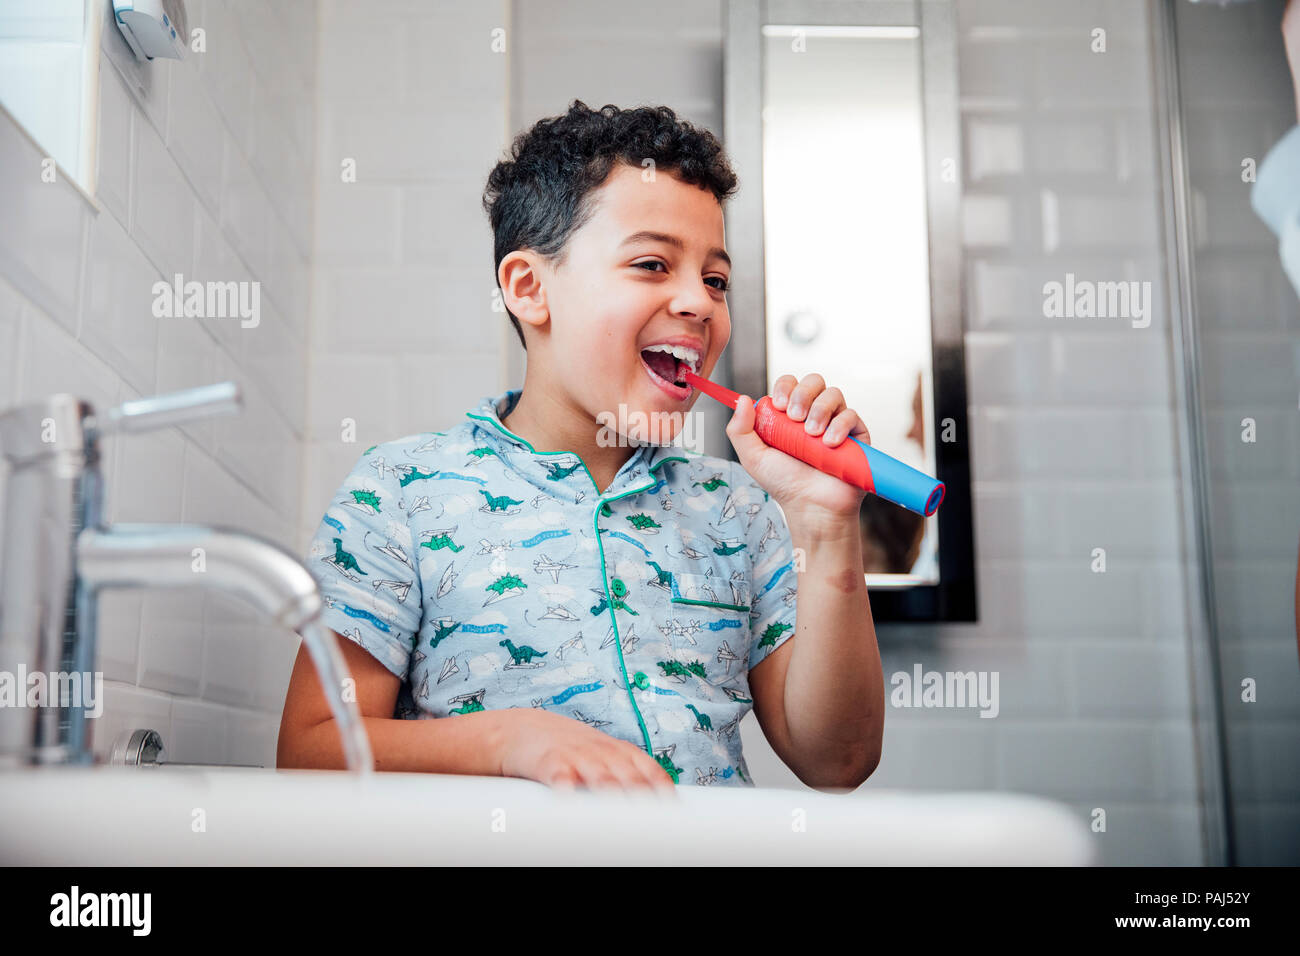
(153, 28)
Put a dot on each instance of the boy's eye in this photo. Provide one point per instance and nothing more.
(721, 287)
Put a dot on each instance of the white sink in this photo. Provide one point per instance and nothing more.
(103, 816)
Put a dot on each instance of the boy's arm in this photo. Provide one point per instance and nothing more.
(309, 736)
(824, 697)
(820, 696)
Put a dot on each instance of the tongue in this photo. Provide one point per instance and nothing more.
(662, 364)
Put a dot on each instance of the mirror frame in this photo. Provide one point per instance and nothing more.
(744, 364)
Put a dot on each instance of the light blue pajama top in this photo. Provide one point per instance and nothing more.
(1275, 198)
(488, 575)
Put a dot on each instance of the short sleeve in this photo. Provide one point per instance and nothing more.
(363, 557)
(773, 575)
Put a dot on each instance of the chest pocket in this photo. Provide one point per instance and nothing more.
(711, 633)
(725, 593)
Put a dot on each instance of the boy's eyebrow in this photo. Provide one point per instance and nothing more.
(649, 235)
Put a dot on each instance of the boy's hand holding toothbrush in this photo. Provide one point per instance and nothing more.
(811, 499)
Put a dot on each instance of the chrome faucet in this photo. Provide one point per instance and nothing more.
(58, 554)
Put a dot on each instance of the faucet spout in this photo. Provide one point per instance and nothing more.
(178, 555)
(252, 568)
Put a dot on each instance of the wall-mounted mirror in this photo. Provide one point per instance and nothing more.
(846, 114)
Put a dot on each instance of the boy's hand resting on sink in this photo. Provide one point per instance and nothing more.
(559, 751)
(566, 754)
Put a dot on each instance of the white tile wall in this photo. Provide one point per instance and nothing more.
(403, 339)
(205, 167)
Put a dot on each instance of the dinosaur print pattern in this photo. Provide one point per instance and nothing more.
(487, 575)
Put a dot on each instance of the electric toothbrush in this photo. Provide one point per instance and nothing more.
(852, 460)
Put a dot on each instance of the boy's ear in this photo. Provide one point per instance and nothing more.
(522, 290)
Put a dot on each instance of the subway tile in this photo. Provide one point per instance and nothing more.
(1255, 598)
(994, 148)
(428, 403)
(425, 238)
(1249, 442)
(162, 220)
(230, 658)
(275, 359)
(416, 302)
(1005, 369)
(1100, 761)
(1262, 764)
(114, 151)
(211, 492)
(187, 358)
(1273, 361)
(199, 731)
(1152, 834)
(1054, 600)
(118, 632)
(11, 313)
(1266, 831)
(1266, 657)
(987, 220)
(216, 261)
(245, 213)
(1032, 681)
(947, 756)
(365, 58)
(51, 361)
(117, 321)
(362, 389)
(257, 447)
(1130, 366)
(171, 640)
(195, 134)
(1165, 606)
(469, 64)
(1176, 760)
(1255, 520)
(1014, 522)
(391, 144)
(42, 252)
(357, 224)
(147, 479)
(253, 738)
(1114, 680)
(226, 71)
(277, 649)
(1236, 293)
(1069, 148)
(1064, 443)
(1129, 520)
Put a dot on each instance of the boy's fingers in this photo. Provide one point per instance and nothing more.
(823, 409)
(781, 389)
(801, 398)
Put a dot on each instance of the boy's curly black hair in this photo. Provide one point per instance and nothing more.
(539, 197)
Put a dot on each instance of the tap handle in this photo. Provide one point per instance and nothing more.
(162, 411)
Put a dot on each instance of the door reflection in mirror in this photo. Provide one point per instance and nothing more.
(846, 258)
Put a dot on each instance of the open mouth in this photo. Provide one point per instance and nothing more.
(667, 365)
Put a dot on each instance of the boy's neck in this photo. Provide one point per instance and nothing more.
(546, 421)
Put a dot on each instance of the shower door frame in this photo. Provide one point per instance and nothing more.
(1217, 821)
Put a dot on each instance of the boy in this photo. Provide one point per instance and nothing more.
(532, 593)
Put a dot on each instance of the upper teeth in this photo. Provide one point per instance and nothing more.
(690, 356)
